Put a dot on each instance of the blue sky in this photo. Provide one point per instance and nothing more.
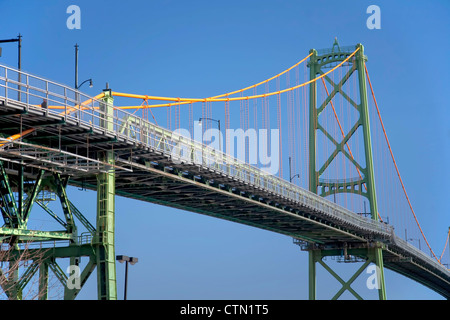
(203, 48)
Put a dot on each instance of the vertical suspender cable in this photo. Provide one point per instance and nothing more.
(280, 144)
(395, 164)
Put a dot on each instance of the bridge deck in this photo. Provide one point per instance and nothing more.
(155, 165)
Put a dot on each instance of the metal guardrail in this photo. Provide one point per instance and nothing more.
(405, 246)
(74, 105)
(336, 49)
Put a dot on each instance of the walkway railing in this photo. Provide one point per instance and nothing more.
(56, 99)
(59, 100)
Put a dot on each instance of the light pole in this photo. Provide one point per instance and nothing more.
(291, 177)
(76, 71)
(132, 261)
(19, 57)
(19, 47)
(77, 86)
(411, 239)
(218, 124)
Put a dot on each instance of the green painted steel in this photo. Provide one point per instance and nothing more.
(100, 249)
(364, 114)
(312, 121)
(370, 255)
(247, 192)
(367, 179)
(106, 266)
(16, 214)
(70, 294)
(43, 281)
(312, 275)
(32, 197)
(9, 207)
(370, 178)
(61, 192)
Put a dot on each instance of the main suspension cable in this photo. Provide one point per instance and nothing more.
(395, 165)
(217, 99)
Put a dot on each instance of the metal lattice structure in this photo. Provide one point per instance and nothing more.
(84, 141)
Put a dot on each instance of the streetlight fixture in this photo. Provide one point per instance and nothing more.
(19, 58)
(412, 239)
(90, 83)
(76, 71)
(291, 177)
(19, 47)
(132, 261)
(218, 124)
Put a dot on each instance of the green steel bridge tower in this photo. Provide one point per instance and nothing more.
(85, 142)
(97, 244)
(365, 185)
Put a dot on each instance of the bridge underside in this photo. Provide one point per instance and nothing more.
(239, 203)
(71, 148)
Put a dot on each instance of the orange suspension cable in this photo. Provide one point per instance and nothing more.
(446, 242)
(265, 81)
(395, 164)
(68, 111)
(280, 148)
(215, 99)
(186, 101)
(227, 126)
(153, 116)
(191, 121)
(343, 136)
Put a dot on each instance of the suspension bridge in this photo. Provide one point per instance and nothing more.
(341, 194)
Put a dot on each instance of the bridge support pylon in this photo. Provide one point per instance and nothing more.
(29, 252)
(367, 256)
(106, 267)
(319, 164)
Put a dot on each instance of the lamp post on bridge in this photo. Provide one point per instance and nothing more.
(411, 239)
(19, 48)
(19, 57)
(291, 177)
(132, 261)
(218, 124)
(77, 86)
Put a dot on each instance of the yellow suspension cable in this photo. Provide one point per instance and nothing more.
(218, 96)
(69, 110)
(178, 101)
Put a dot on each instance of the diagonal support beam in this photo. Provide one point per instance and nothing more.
(71, 294)
(85, 222)
(336, 88)
(52, 214)
(366, 175)
(342, 92)
(32, 197)
(339, 148)
(26, 276)
(345, 284)
(61, 192)
(8, 203)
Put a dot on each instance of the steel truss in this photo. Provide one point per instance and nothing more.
(325, 187)
(18, 194)
(50, 244)
(93, 145)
